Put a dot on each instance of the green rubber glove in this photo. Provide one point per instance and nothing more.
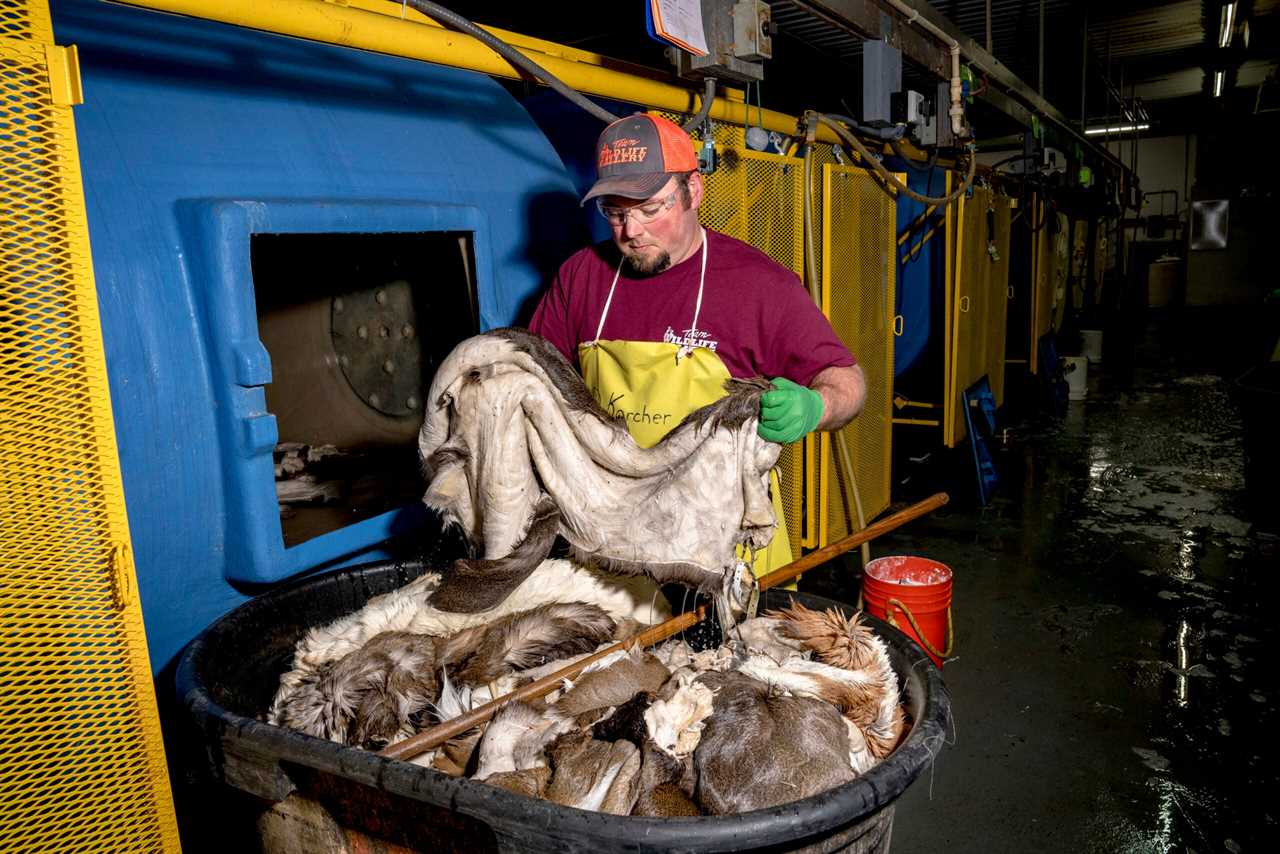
(788, 412)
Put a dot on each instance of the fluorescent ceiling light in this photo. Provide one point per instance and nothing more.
(1115, 129)
(1226, 24)
(1218, 77)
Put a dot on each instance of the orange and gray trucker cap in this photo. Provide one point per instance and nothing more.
(635, 156)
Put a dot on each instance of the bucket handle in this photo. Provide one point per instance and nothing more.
(924, 641)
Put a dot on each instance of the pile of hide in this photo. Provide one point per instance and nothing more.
(376, 676)
(795, 703)
(518, 451)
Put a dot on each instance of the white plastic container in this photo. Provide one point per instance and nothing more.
(1076, 369)
(1091, 345)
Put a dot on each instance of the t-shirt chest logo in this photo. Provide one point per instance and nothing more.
(691, 338)
(623, 151)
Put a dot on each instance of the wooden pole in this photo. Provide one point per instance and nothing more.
(439, 734)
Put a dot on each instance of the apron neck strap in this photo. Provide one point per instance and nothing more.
(697, 309)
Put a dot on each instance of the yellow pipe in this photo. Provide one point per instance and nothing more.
(384, 32)
(922, 422)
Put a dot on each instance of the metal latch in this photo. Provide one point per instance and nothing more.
(63, 63)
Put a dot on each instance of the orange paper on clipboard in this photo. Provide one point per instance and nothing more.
(680, 22)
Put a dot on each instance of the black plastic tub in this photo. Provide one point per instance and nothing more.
(228, 674)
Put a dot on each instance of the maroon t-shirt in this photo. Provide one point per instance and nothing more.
(756, 316)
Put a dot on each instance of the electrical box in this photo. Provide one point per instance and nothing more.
(738, 35)
(881, 77)
(751, 31)
(908, 108)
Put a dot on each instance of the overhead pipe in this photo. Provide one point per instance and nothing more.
(957, 90)
(427, 41)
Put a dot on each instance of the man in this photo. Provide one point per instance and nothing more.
(660, 317)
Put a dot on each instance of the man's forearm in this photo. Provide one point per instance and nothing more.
(844, 391)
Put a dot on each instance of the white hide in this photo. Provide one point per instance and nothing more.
(507, 436)
(676, 725)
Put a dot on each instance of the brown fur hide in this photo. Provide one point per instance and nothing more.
(761, 750)
(378, 693)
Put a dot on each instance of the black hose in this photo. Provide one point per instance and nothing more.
(885, 177)
(708, 95)
(902, 155)
(518, 59)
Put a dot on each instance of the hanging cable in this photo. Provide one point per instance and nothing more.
(452, 19)
(886, 177)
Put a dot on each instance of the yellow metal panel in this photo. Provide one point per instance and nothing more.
(998, 294)
(859, 246)
(948, 284)
(82, 765)
(26, 19)
(980, 299)
(758, 199)
(1045, 278)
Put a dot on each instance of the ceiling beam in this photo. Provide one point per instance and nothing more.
(870, 20)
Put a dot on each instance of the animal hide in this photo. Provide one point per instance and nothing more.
(532, 782)
(374, 695)
(849, 644)
(511, 430)
(760, 749)
(411, 609)
(661, 791)
(594, 775)
(595, 691)
(675, 724)
(498, 746)
(767, 636)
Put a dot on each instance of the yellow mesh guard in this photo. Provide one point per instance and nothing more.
(859, 240)
(757, 198)
(998, 307)
(981, 304)
(82, 765)
(1043, 277)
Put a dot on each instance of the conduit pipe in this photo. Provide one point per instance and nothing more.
(957, 90)
(457, 22)
(427, 41)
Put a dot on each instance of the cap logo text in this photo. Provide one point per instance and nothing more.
(622, 151)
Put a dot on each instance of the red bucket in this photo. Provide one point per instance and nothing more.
(912, 594)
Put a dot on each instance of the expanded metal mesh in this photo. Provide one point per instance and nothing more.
(757, 198)
(1045, 278)
(980, 301)
(26, 19)
(998, 288)
(81, 760)
(858, 250)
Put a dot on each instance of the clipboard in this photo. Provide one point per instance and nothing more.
(677, 22)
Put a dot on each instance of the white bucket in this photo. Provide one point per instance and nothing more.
(1091, 345)
(1077, 371)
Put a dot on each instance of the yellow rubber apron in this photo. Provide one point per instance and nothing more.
(653, 385)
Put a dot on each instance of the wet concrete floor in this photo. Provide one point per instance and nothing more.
(1115, 618)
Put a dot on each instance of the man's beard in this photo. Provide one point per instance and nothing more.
(643, 266)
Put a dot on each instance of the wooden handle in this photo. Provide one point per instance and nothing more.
(439, 734)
